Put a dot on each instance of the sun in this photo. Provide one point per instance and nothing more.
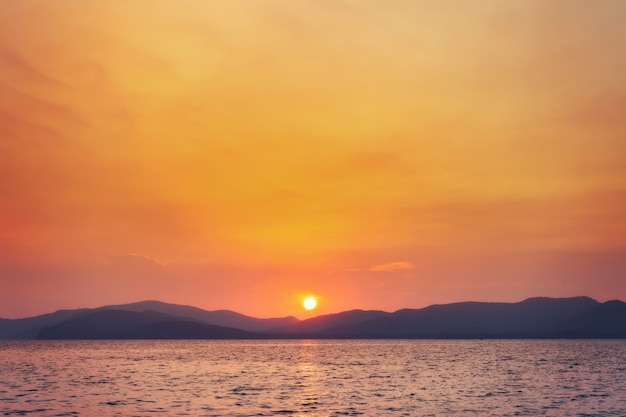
(309, 303)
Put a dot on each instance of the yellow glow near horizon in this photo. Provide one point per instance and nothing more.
(239, 155)
(309, 303)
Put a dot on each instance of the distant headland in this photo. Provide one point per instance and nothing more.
(536, 318)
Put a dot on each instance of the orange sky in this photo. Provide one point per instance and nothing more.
(379, 154)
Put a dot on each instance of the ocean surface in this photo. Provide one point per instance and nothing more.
(313, 378)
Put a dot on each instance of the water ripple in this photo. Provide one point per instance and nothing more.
(313, 378)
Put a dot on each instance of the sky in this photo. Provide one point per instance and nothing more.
(378, 154)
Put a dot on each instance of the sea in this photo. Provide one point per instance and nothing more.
(314, 378)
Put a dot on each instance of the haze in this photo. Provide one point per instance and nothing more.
(375, 154)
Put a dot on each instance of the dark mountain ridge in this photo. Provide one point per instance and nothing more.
(323, 323)
(577, 317)
(604, 321)
(28, 328)
(472, 320)
(120, 324)
(225, 318)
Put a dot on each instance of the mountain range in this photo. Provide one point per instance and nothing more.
(542, 317)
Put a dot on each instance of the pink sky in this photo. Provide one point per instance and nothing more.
(379, 155)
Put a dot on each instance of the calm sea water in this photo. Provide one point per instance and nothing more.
(313, 378)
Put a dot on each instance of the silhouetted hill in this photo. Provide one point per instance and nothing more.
(225, 318)
(119, 324)
(96, 324)
(471, 320)
(318, 325)
(578, 317)
(185, 330)
(28, 328)
(607, 320)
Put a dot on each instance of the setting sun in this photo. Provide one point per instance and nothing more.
(309, 303)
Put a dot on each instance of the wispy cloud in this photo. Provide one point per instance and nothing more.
(392, 266)
(134, 259)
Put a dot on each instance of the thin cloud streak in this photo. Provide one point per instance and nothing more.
(392, 266)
